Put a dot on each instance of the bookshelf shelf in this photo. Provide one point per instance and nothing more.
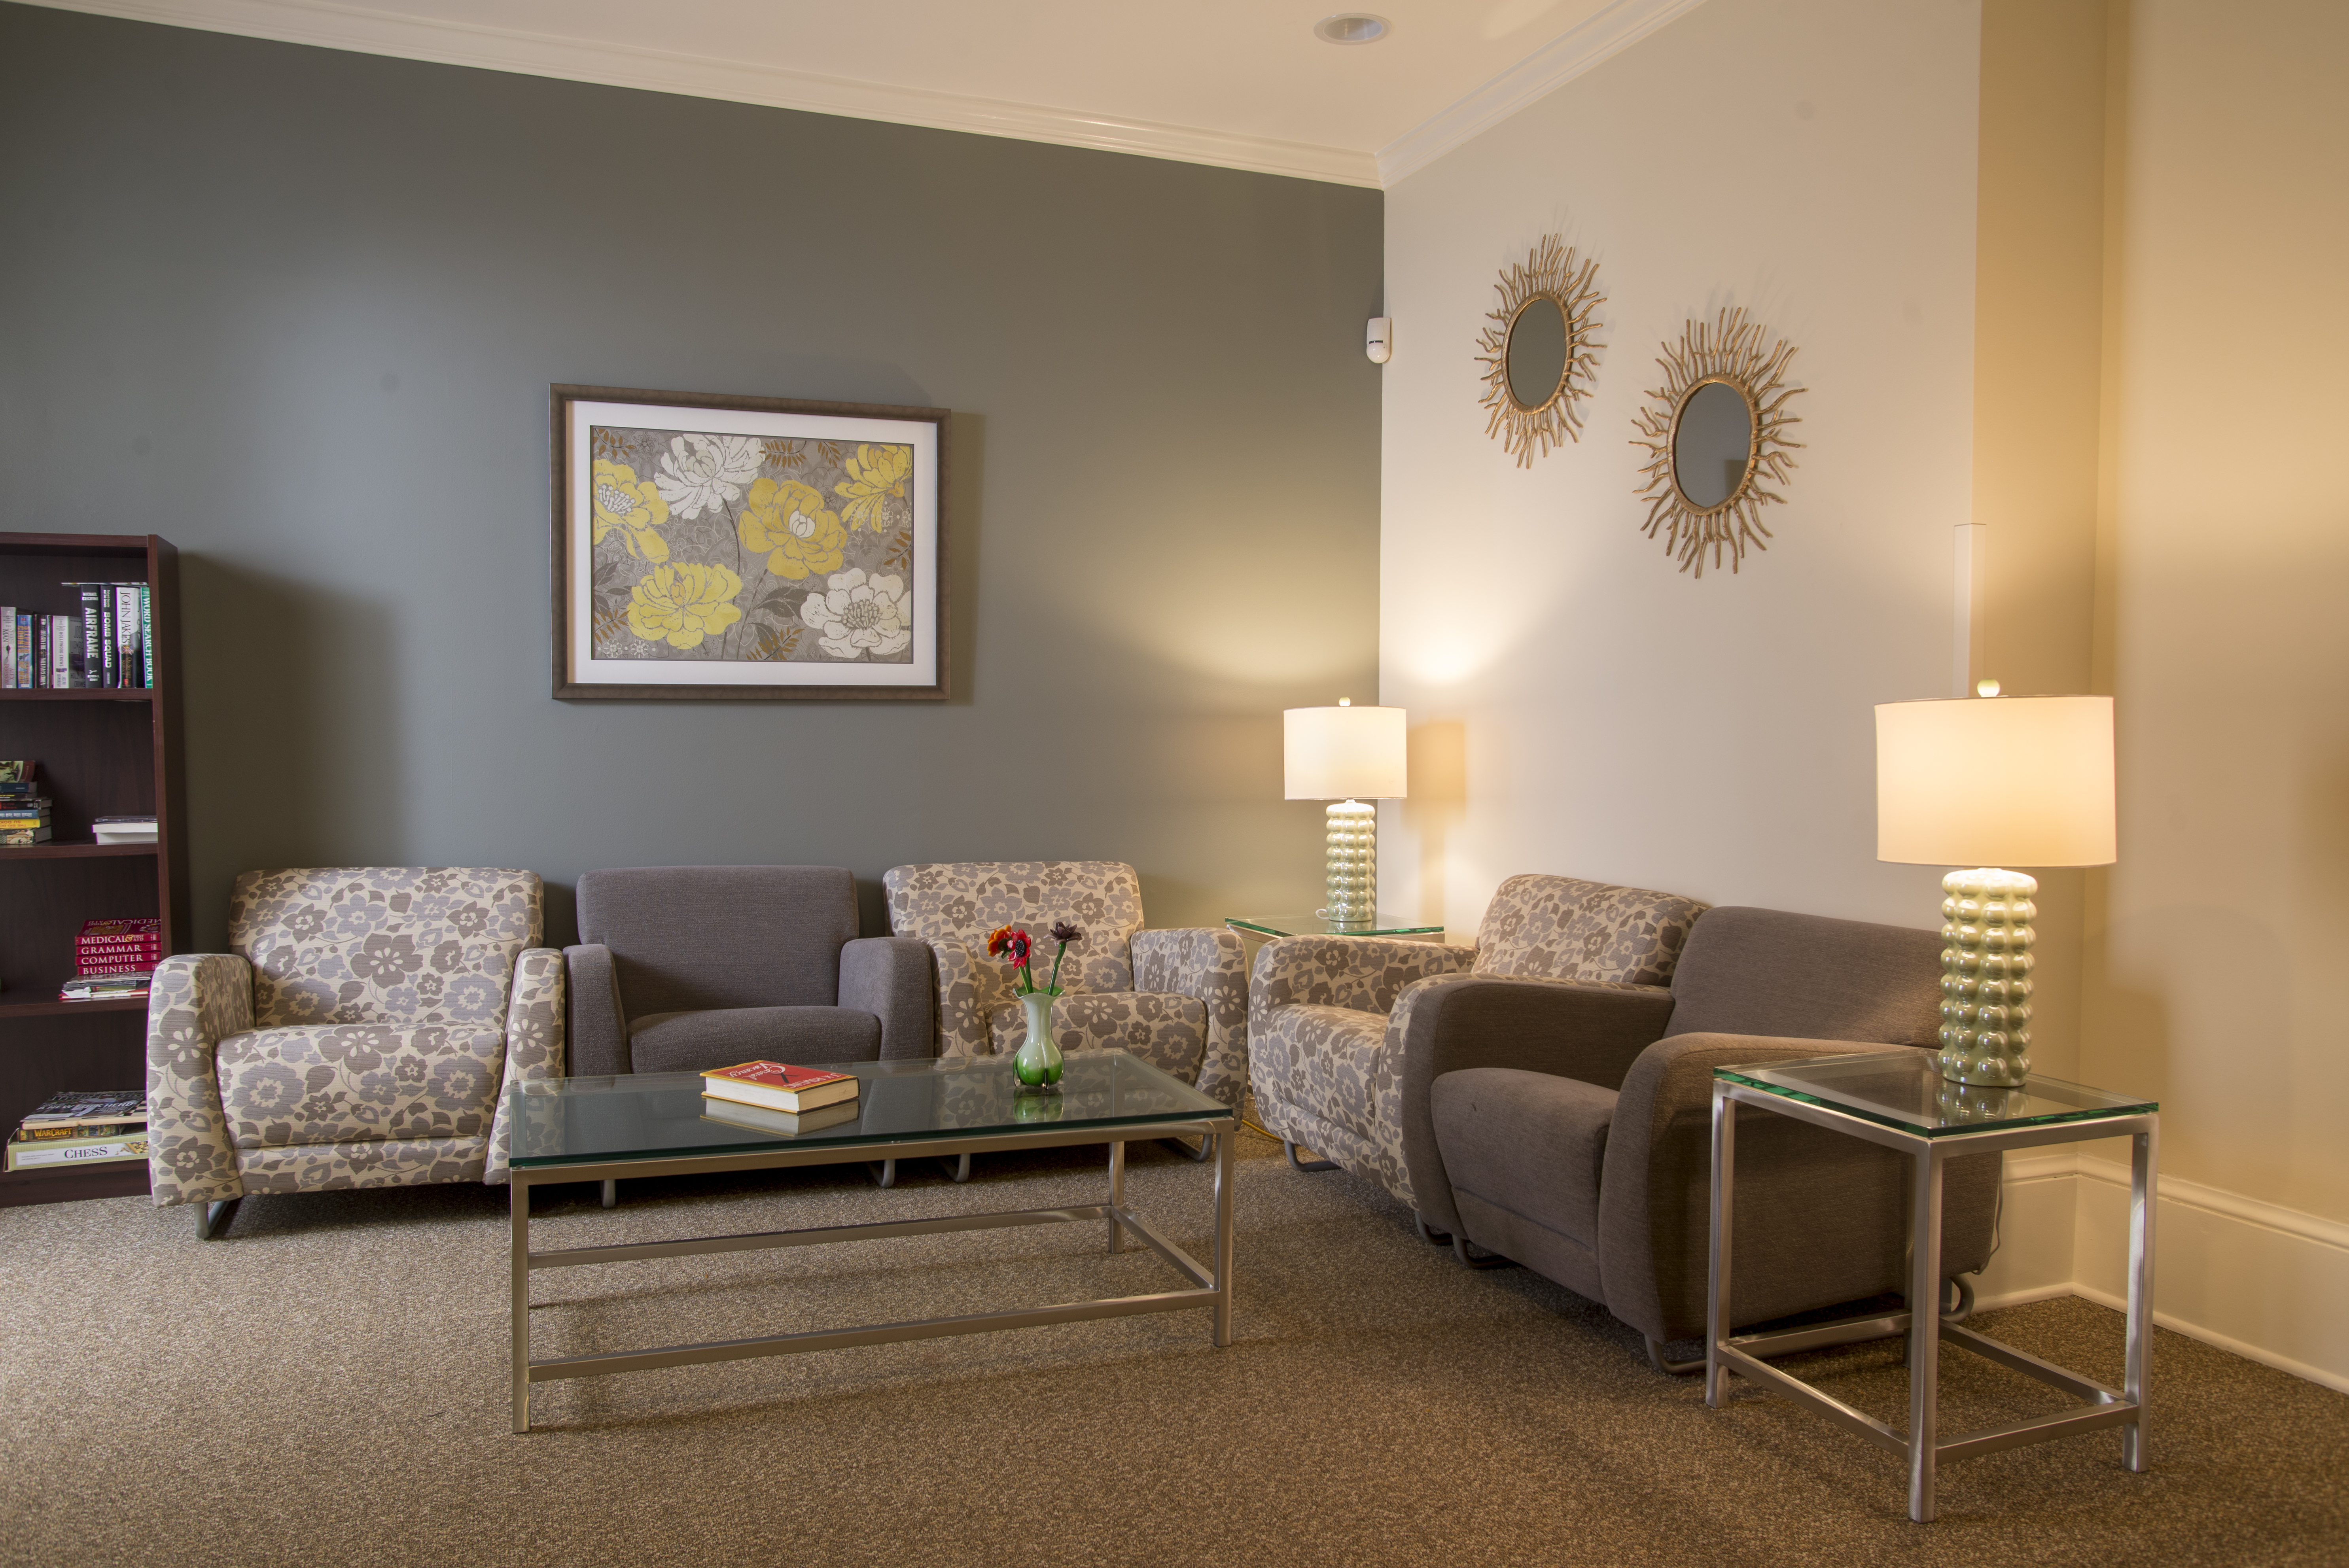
(102, 753)
(56, 851)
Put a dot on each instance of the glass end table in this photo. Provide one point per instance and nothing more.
(1899, 1099)
(1272, 926)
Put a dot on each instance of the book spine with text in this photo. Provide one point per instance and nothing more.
(8, 647)
(25, 650)
(146, 635)
(62, 638)
(125, 632)
(93, 669)
(40, 652)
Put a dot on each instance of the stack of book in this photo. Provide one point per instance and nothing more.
(114, 947)
(108, 644)
(85, 1127)
(24, 809)
(775, 1097)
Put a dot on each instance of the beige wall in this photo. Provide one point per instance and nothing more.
(1597, 711)
(2216, 960)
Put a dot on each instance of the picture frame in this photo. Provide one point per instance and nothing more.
(713, 548)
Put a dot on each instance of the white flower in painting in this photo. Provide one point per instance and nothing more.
(854, 614)
(705, 473)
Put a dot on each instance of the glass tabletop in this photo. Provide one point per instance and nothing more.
(1905, 1089)
(1314, 925)
(647, 1116)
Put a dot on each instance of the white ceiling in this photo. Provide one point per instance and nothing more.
(1240, 83)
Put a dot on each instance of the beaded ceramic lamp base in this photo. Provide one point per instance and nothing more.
(1351, 866)
(1986, 964)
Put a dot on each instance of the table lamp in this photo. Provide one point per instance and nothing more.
(1349, 757)
(1986, 781)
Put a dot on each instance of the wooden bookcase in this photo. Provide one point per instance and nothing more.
(102, 754)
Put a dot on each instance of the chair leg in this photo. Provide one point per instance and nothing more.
(1671, 1368)
(959, 1169)
(1290, 1149)
(1475, 1257)
(1428, 1233)
(1198, 1155)
(885, 1172)
(612, 1193)
(1964, 1290)
(212, 1218)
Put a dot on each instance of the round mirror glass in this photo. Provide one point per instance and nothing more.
(1537, 352)
(1714, 437)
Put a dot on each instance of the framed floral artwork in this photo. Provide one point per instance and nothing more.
(747, 549)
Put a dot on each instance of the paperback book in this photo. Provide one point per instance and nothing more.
(50, 1155)
(89, 1107)
(789, 1123)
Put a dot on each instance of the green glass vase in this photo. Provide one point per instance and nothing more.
(1039, 1061)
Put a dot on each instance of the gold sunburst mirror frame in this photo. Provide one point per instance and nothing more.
(1727, 352)
(1550, 273)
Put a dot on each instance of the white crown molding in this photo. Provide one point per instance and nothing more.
(1555, 64)
(356, 28)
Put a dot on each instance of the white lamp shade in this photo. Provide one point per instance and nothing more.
(1343, 753)
(1995, 781)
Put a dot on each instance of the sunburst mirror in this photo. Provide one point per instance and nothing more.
(1715, 435)
(1539, 356)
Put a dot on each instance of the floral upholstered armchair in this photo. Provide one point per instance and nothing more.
(1177, 999)
(1345, 1032)
(359, 1033)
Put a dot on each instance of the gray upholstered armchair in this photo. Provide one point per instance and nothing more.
(360, 1032)
(1177, 998)
(1570, 1129)
(684, 968)
(1331, 1018)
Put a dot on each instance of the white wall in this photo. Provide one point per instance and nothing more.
(1610, 716)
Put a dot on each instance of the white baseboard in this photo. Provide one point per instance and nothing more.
(2260, 1281)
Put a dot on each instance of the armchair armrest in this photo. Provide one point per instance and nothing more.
(890, 977)
(194, 1002)
(1204, 964)
(965, 995)
(599, 1023)
(534, 1041)
(1590, 1030)
(1820, 1217)
(1364, 973)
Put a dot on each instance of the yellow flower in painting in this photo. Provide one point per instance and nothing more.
(876, 476)
(788, 521)
(632, 506)
(680, 605)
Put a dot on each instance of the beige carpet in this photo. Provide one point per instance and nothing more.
(327, 1386)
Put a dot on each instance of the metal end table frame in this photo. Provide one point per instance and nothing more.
(1210, 1289)
(1923, 1448)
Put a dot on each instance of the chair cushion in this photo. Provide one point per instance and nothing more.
(1326, 1057)
(1562, 928)
(1530, 1142)
(962, 901)
(1805, 976)
(694, 938)
(342, 1083)
(718, 1038)
(1167, 1031)
(383, 944)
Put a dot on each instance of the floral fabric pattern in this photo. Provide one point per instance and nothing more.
(1205, 962)
(1562, 928)
(193, 1003)
(1158, 976)
(1170, 1033)
(340, 1083)
(404, 945)
(711, 547)
(360, 1037)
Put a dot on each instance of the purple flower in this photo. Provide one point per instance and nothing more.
(1064, 933)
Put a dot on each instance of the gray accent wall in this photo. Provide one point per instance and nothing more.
(297, 311)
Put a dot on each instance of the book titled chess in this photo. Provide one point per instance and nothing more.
(778, 1086)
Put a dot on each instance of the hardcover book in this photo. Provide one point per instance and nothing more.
(789, 1123)
(778, 1086)
(77, 1151)
(82, 1107)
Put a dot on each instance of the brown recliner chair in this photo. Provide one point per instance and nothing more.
(1571, 1129)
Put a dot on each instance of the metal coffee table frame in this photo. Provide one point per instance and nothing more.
(1211, 1289)
(1924, 1448)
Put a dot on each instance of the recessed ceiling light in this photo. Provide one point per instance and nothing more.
(1352, 28)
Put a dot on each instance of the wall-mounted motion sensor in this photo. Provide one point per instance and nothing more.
(1378, 344)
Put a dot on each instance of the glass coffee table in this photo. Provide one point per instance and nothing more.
(1899, 1099)
(658, 1124)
